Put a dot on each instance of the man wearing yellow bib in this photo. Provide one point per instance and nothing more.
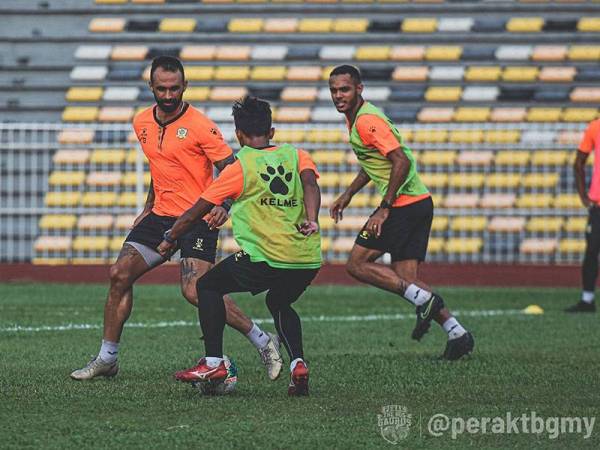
(401, 224)
(275, 223)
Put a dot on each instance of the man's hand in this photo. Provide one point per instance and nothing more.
(336, 209)
(166, 249)
(139, 218)
(217, 217)
(308, 227)
(375, 222)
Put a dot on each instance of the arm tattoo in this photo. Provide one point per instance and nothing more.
(127, 251)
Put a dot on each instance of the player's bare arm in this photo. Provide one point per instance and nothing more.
(579, 168)
(312, 202)
(336, 211)
(147, 206)
(398, 174)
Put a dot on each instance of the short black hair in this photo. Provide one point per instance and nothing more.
(347, 69)
(252, 116)
(168, 63)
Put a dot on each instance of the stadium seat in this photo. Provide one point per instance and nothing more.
(325, 114)
(292, 114)
(461, 181)
(177, 25)
(443, 94)
(497, 201)
(227, 94)
(233, 53)
(350, 25)
(439, 223)
(446, 73)
(337, 52)
(557, 74)
(503, 224)
(579, 114)
(463, 245)
(531, 201)
(280, 25)
(124, 221)
(434, 156)
(115, 114)
(80, 114)
(436, 115)
(585, 94)
(407, 53)
(57, 222)
(538, 246)
(549, 158)
(410, 73)
(480, 73)
(575, 224)
(107, 156)
(299, 94)
(502, 136)
(549, 53)
(508, 114)
(513, 52)
(198, 53)
(525, 24)
(482, 53)
(489, 25)
(129, 53)
(53, 244)
(352, 223)
(443, 53)
(474, 157)
(196, 94)
(90, 243)
(232, 73)
(245, 25)
(542, 180)
(455, 24)
(480, 94)
(584, 53)
(84, 94)
(589, 24)
(419, 25)
(472, 115)
(93, 52)
(270, 52)
(268, 73)
(461, 200)
(89, 222)
(545, 225)
(468, 224)
(60, 178)
(131, 179)
(326, 136)
(107, 25)
(75, 136)
(62, 199)
(121, 94)
(129, 199)
(343, 244)
(435, 245)
(572, 246)
(199, 73)
(372, 53)
(520, 74)
(71, 157)
(466, 136)
(543, 115)
(104, 179)
(319, 25)
(322, 157)
(289, 135)
(99, 199)
(510, 180)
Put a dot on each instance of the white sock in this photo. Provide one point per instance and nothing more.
(416, 295)
(587, 296)
(212, 361)
(294, 362)
(109, 351)
(453, 328)
(257, 336)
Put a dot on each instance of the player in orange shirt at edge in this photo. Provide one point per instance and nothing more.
(181, 145)
(402, 222)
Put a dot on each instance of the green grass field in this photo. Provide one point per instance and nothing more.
(522, 363)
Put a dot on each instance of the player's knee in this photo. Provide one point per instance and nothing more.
(118, 276)
(190, 293)
(353, 267)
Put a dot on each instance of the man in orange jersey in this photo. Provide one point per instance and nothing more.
(181, 145)
(401, 224)
(591, 200)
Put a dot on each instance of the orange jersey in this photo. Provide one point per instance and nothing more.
(230, 183)
(181, 153)
(375, 133)
(591, 142)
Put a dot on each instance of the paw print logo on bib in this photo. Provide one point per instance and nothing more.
(277, 179)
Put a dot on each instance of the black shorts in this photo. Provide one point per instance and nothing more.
(405, 233)
(199, 242)
(237, 273)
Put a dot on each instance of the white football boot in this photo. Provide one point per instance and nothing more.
(96, 368)
(271, 357)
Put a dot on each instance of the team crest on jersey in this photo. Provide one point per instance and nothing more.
(182, 133)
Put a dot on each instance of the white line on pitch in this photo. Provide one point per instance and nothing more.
(183, 323)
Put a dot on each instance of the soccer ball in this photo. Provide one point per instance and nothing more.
(220, 388)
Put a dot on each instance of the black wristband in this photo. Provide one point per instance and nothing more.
(227, 204)
(168, 238)
(385, 205)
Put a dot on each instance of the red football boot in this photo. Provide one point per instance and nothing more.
(299, 380)
(202, 372)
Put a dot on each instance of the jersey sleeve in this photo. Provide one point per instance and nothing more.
(305, 162)
(212, 142)
(229, 184)
(589, 137)
(376, 133)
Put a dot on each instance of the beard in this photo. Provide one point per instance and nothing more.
(168, 106)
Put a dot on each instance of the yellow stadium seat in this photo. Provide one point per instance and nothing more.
(292, 114)
(57, 222)
(199, 73)
(350, 25)
(525, 24)
(177, 25)
(576, 224)
(305, 73)
(321, 25)
(329, 179)
(544, 114)
(538, 246)
(443, 53)
(466, 180)
(280, 25)
(540, 180)
(59, 178)
(433, 136)
(443, 94)
(299, 94)
(502, 136)
(99, 199)
(435, 245)
(584, 53)
(502, 224)
(352, 223)
(227, 94)
(579, 114)
(407, 53)
(463, 245)
(245, 25)
(512, 158)
(84, 94)
(589, 24)
(550, 157)
(343, 244)
(461, 200)
(361, 201)
(232, 73)
(468, 223)
(80, 114)
(107, 25)
(326, 135)
(129, 199)
(289, 135)
(508, 180)
(466, 136)
(95, 222)
(116, 243)
(508, 114)
(534, 201)
(132, 157)
(90, 243)
(328, 157)
(439, 223)
(52, 244)
(107, 156)
(571, 246)
(268, 73)
(520, 74)
(483, 73)
(372, 53)
(545, 224)
(419, 25)
(410, 73)
(436, 115)
(434, 180)
(233, 53)
(196, 94)
(62, 198)
(104, 179)
(131, 179)
(498, 200)
(567, 201)
(197, 53)
(470, 114)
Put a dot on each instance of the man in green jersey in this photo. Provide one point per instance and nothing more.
(275, 223)
(402, 222)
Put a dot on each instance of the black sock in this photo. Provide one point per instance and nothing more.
(211, 312)
(289, 328)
